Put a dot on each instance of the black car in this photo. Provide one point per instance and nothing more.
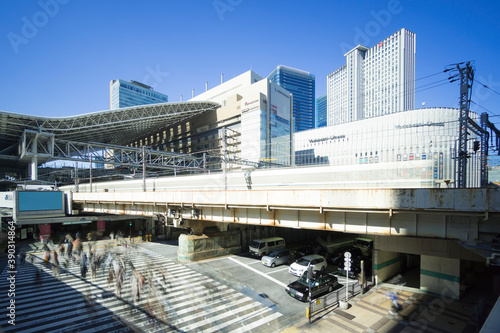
(338, 256)
(356, 267)
(321, 282)
(304, 250)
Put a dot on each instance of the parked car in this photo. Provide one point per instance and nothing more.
(356, 267)
(320, 283)
(261, 247)
(300, 266)
(277, 257)
(365, 245)
(338, 256)
(304, 250)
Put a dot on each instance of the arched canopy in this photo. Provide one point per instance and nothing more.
(112, 126)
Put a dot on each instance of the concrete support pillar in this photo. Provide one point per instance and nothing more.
(385, 264)
(34, 168)
(440, 276)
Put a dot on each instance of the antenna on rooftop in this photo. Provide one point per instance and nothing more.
(221, 78)
(206, 85)
(192, 95)
(181, 98)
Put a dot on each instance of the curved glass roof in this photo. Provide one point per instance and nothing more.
(112, 126)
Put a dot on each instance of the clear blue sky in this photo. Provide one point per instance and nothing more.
(58, 56)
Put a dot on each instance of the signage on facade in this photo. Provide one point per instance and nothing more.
(326, 138)
(427, 124)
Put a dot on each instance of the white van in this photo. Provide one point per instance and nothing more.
(261, 247)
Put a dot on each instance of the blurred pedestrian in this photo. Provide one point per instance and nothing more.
(46, 257)
(83, 265)
(70, 249)
(55, 264)
(395, 307)
(22, 257)
(61, 248)
(93, 268)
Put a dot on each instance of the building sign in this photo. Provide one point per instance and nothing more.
(45, 230)
(427, 124)
(326, 138)
(281, 93)
(101, 226)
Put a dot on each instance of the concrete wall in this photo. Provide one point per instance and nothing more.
(385, 264)
(198, 247)
(440, 276)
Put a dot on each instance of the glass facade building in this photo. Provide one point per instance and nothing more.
(124, 94)
(320, 118)
(374, 81)
(302, 85)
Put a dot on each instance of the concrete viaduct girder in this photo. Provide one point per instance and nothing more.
(459, 214)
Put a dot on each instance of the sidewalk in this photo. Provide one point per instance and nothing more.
(421, 312)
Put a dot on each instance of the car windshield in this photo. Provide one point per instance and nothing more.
(273, 254)
(303, 262)
(304, 280)
(255, 244)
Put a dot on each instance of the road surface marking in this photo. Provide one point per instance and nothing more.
(259, 272)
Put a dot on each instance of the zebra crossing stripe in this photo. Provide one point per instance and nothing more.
(236, 320)
(258, 323)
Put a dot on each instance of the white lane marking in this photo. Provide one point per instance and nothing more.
(258, 323)
(259, 272)
(278, 270)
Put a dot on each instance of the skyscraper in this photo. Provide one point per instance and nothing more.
(320, 118)
(123, 94)
(374, 81)
(302, 85)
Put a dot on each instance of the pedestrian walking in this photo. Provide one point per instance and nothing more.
(22, 257)
(46, 257)
(61, 249)
(83, 265)
(395, 307)
(55, 264)
(93, 268)
(70, 249)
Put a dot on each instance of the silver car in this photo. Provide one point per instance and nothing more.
(277, 257)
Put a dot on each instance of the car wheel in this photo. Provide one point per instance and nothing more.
(273, 265)
(330, 289)
(323, 268)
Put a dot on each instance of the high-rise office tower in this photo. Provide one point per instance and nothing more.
(374, 81)
(124, 94)
(302, 86)
(320, 118)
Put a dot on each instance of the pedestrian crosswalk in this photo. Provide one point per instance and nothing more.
(173, 298)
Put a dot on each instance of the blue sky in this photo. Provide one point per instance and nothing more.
(58, 56)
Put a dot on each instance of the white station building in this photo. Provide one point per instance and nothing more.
(415, 148)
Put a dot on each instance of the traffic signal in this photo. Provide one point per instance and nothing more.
(476, 145)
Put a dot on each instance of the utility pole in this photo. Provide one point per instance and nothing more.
(466, 73)
(224, 152)
(90, 174)
(143, 169)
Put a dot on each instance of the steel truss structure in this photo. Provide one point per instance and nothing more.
(123, 156)
(111, 127)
